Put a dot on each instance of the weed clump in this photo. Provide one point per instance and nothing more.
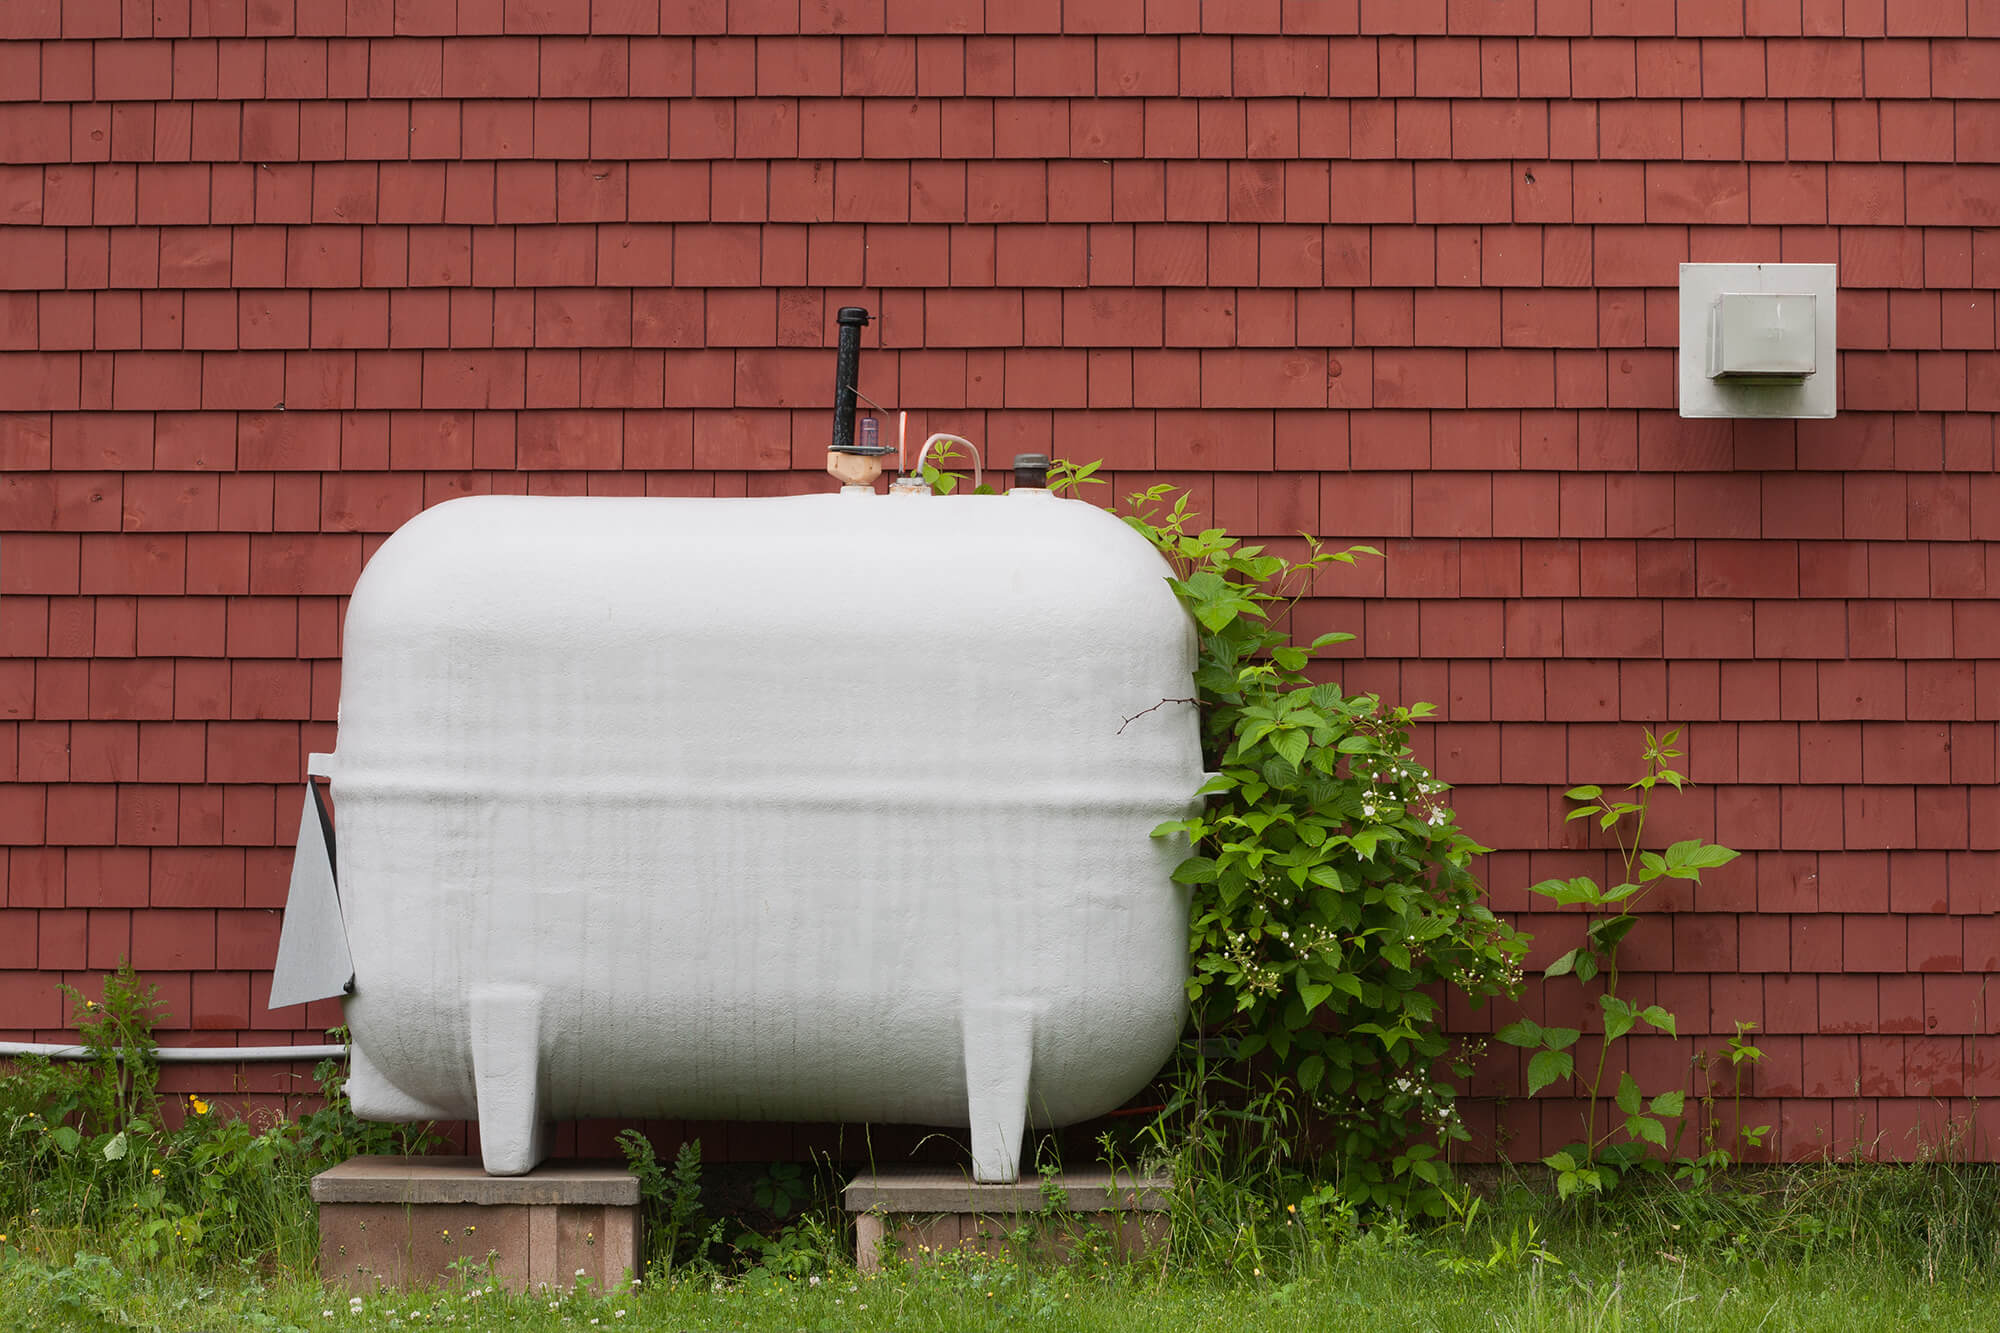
(93, 1157)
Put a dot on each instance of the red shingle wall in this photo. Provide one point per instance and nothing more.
(278, 275)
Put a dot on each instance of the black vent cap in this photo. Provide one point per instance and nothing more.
(1031, 471)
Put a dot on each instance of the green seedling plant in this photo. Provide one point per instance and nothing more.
(1737, 1053)
(1596, 1164)
(781, 1190)
(678, 1232)
(1330, 883)
(1460, 1257)
(937, 471)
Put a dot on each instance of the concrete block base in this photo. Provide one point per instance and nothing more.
(420, 1221)
(920, 1213)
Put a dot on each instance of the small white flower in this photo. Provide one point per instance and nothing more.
(579, 1272)
(813, 1281)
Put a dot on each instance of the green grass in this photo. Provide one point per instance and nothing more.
(1377, 1291)
(1820, 1248)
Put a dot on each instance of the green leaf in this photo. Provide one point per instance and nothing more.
(1560, 1161)
(1585, 793)
(1697, 855)
(1619, 1016)
(1313, 993)
(1336, 637)
(1660, 1019)
(1562, 966)
(1195, 870)
(1647, 1128)
(1548, 1067)
(1559, 1039)
(1628, 1093)
(114, 1148)
(1215, 615)
(1568, 892)
(1311, 1070)
(1607, 932)
(1281, 776)
(1668, 1103)
(1292, 745)
(66, 1137)
(1326, 877)
(1619, 1157)
(1366, 840)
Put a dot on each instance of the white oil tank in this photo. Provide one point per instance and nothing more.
(825, 808)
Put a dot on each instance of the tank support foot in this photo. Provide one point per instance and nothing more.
(507, 1078)
(999, 1057)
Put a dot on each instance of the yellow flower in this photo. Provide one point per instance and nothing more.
(200, 1106)
(156, 1170)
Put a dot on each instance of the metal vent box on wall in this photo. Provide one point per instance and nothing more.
(1758, 340)
(1762, 336)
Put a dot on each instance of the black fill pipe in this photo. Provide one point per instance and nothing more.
(846, 375)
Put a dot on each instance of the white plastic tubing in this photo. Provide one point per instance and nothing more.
(182, 1055)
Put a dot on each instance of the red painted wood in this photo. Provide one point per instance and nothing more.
(274, 279)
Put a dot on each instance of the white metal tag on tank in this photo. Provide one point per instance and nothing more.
(313, 961)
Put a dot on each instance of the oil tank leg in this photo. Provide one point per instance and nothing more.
(999, 1057)
(507, 1077)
